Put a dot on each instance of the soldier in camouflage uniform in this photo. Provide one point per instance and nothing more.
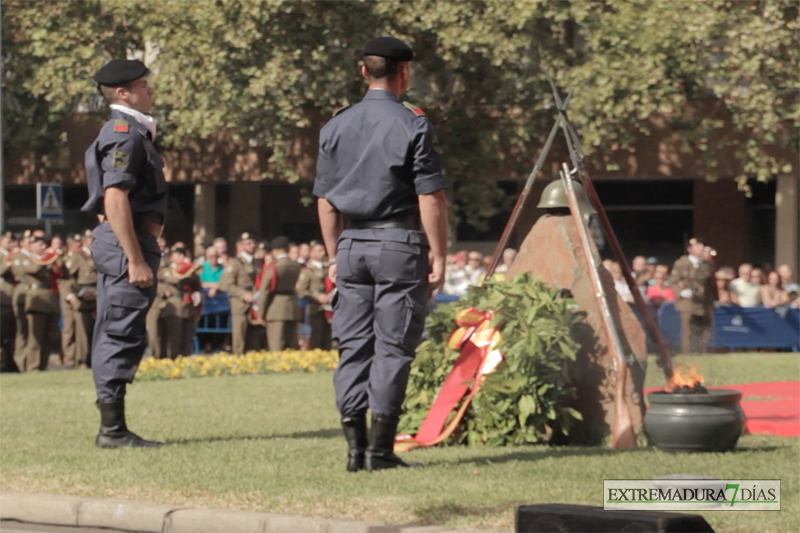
(183, 297)
(311, 287)
(7, 323)
(18, 297)
(692, 279)
(238, 280)
(65, 295)
(83, 299)
(41, 306)
(277, 300)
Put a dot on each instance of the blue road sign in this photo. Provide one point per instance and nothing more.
(49, 201)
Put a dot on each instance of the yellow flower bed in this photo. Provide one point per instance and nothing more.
(225, 364)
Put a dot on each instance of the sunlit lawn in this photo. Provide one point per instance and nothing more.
(272, 443)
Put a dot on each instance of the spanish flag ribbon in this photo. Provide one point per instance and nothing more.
(477, 341)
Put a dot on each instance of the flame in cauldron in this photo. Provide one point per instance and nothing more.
(684, 379)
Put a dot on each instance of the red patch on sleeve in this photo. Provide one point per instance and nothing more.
(419, 111)
(121, 128)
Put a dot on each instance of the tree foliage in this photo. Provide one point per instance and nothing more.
(268, 73)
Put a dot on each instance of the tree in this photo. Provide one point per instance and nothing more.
(269, 73)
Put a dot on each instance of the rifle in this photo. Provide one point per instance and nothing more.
(622, 434)
(526, 191)
(579, 162)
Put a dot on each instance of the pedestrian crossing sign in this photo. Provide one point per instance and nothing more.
(49, 201)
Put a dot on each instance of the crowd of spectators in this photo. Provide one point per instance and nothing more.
(754, 287)
(747, 286)
(466, 268)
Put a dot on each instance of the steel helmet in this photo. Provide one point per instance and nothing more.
(554, 196)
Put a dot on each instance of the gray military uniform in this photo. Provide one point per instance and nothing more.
(122, 156)
(375, 158)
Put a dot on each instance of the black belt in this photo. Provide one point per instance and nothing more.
(409, 222)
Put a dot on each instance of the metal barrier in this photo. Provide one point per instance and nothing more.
(740, 327)
(216, 317)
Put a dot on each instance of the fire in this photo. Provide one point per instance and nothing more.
(684, 379)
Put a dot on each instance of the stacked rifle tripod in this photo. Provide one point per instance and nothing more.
(622, 432)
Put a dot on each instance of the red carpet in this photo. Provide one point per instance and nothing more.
(779, 415)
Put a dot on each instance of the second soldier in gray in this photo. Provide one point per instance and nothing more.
(383, 216)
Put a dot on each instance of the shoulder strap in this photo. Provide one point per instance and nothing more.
(341, 109)
(121, 126)
(414, 109)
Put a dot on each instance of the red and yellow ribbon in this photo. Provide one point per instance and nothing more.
(477, 341)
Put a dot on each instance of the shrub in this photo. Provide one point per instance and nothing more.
(525, 399)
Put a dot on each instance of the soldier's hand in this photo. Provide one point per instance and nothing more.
(436, 275)
(332, 272)
(322, 298)
(248, 297)
(139, 274)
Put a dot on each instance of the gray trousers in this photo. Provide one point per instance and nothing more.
(379, 314)
(120, 335)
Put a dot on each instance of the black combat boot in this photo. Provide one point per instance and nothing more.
(113, 431)
(355, 431)
(380, 450)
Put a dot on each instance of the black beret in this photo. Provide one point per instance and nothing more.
(246, 236)
(120, 71)
(87, 233)
(696, 240)
(77, 237)
(36, 238)
(390, 48)
(178, 250)
(280, 243)
(8, 234)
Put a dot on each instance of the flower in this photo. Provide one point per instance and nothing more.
(251, 363)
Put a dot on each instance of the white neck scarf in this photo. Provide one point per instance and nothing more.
(145, 120)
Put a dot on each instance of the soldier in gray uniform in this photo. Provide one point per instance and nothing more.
(383, 215)
(128, 193)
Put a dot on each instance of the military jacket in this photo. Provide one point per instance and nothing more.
(66, 283)
(177, 289)
(280, 304)
(20, 287)
(376, 157)
(238, 278)
(6, 279)
(310, 285)
(123, 156)
(37, 278)
(699, 280)
(83, 274)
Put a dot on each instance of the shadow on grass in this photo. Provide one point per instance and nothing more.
(319, 434)
(537, 454)
(540, 453)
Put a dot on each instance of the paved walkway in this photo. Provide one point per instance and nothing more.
(48, 513)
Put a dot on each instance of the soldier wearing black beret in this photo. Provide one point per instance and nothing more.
(383, 216)
(128, 193)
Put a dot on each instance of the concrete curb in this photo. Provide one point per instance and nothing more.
(143, 517)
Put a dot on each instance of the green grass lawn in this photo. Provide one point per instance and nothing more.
(272, 443)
